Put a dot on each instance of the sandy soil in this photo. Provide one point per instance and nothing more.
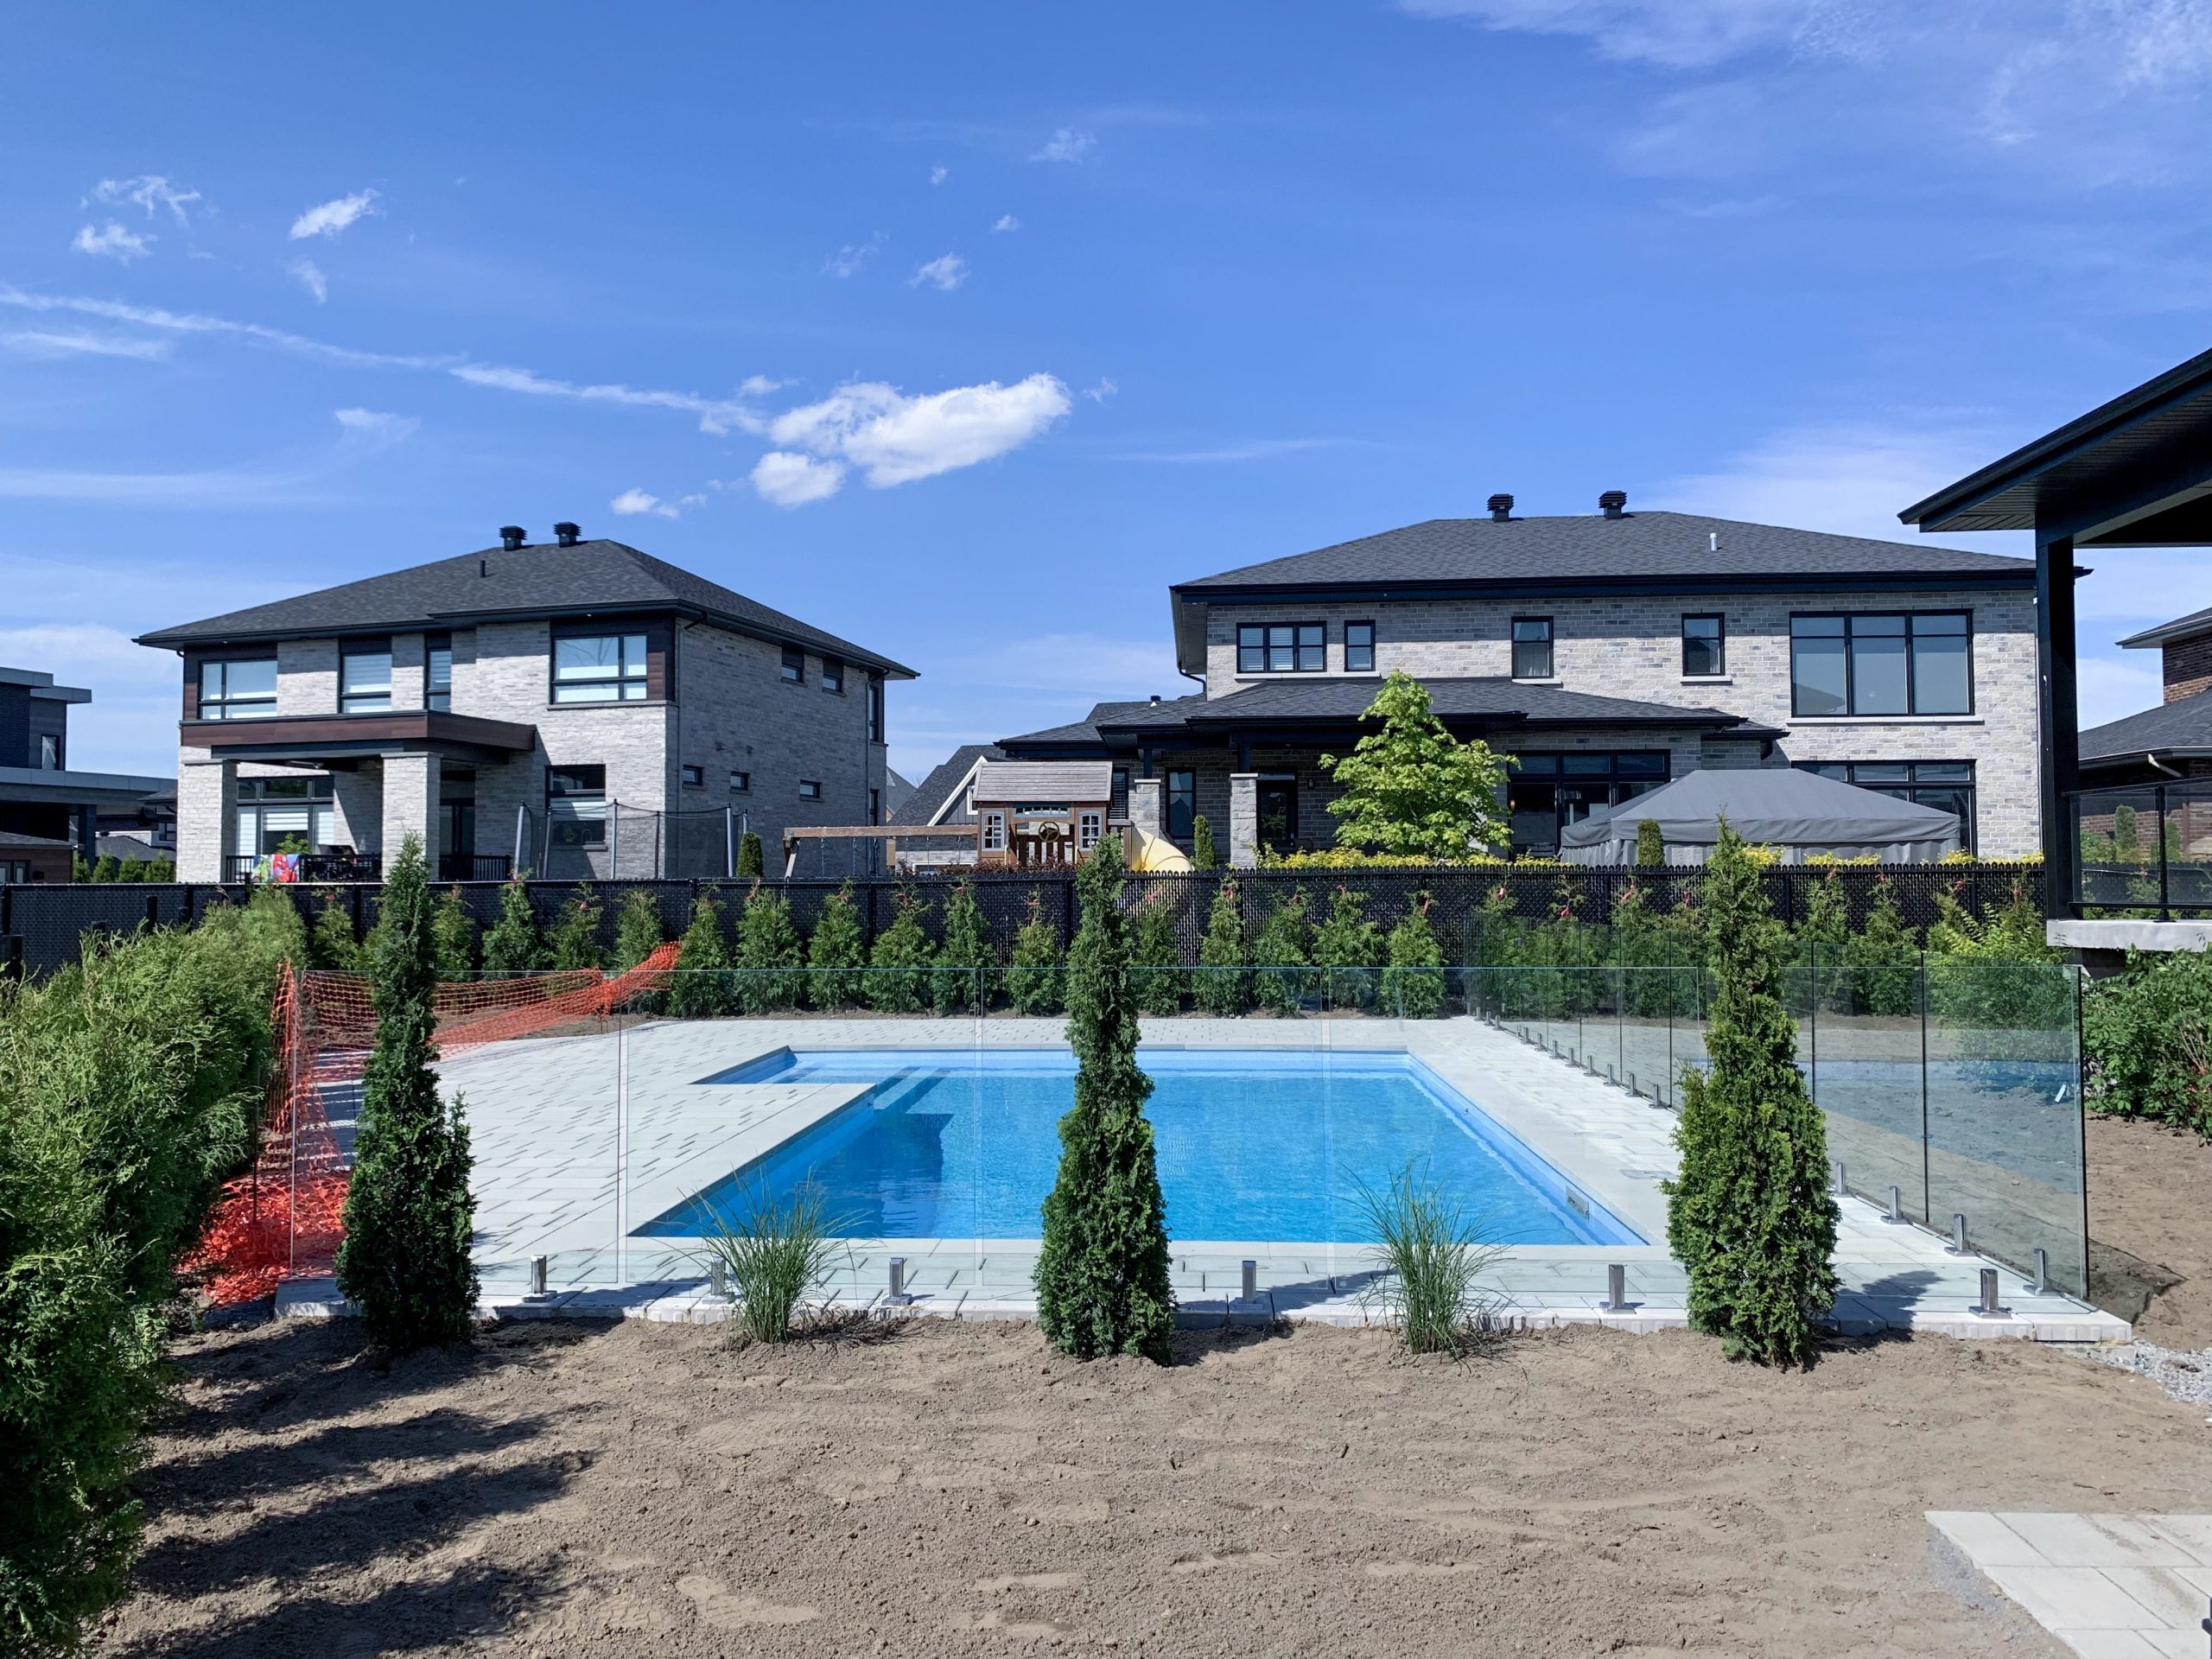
(595, 1490)
(2151, 1229)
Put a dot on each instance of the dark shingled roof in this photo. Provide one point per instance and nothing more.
(2182, 627)
(2172, 728)
(590, 578)
(934, 791)
(1646, 548)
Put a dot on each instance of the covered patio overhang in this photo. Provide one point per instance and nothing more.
(345, 741)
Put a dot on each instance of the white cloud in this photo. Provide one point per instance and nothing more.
(759, 386)
(188, 322)
(717, 415)
(129, 725)
(789, 480)
(631, 503)
(1066, 145)
(938, 176)
(375, 429)
(1245, 449)
(149, 193)
(1681, 33)
(852, 257)
(311, 278)
(42, 342)
(947, 271)
(332, 217)
(895, 439)
(1005, 222)
(1102, 392)
(362, 432)
(111, 241)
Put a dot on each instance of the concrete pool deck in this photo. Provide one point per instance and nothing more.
(556, 1177)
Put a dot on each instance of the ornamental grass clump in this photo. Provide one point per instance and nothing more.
(835, 954)
(1101, 1270)
(1749, 1213)
(772, 1252)
(1433, 1258)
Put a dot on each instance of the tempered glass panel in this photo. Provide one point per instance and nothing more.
(1878, 672)
(1819, 681)
(1939, 672)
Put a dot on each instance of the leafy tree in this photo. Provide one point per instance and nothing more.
(331, 944)
(1101, 1270)
(749, 862)
(453, 933)
(513, 946)
(1156, 955)
(404, 1259)
(770, 952)
(1203, 856)
(1412, 787)
(1222, 987)
(899, 966)
(573, 942)
(1035, 981)
(1650, 844)
(1349, 948)
(1413, 985)
(637, 929)
(966, 958)
(1750, 1214)
(835, 953)
(701, 988)
(1280, 951)
(1882, 958)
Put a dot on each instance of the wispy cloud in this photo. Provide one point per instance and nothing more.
(715, 415)
(895, 439)
(946, 272)
(362, 432)
(47, 342)
(188, 322)
(791, 481)
(1102, 392)
(631, 503)
(938, 176)
(851, 259)
(1244, 449)
(311, 278)
(111, 241)
(149, 193)
(1067, 144)
(1005, 222)
(329, 218)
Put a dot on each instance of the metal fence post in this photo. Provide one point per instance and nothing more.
(2165, 912)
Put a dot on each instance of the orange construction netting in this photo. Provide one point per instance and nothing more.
(283, 1217)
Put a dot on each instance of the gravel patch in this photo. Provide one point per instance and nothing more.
(2185, 1376)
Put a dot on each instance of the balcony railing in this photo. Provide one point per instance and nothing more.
(312, 866)
(2145, 849)
(474, 866)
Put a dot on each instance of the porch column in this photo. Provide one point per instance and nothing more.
(207, 816)
(1145, 804)
(410, 805)
(2061, 740)
(1243, 820)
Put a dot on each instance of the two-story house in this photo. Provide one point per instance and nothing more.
(2172, 742)
(1607, 653)
(51, 811)
(577, 709)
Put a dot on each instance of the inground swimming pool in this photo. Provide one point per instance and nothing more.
(1254, 1145)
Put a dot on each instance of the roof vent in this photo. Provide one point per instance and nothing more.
(1155, 699)
(511, 537)
(1501, 507)
(565, 533)
(1614, 504)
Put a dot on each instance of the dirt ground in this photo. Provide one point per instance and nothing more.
(2151, 1229)
(595, 1490)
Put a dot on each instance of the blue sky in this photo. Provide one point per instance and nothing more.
(964, 330)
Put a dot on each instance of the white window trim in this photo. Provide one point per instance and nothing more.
(1090, 830)
(994, 832)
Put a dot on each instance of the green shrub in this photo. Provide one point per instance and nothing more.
(1882, 959)
(2147, 1036)
(514, 945)
(701, 987)
(773, 1254)
(1822, 936)
(1102, 1268)
(573, 941)
(1433, 1257)
(1998, 975)
(1650, 844)
(835, 955)
(1203, 856)
(965, 980)
(162, 870)
(750, 865)
(1281, 950)
(770, 951)
(404, 1259)
(1156, 955)
(1036, 980)
(638, 930)
(452, 934)
(1750, 1214)
(107, 868)
(1222, 986)
(331, 945)
(1349, 948)
(899, 965)
(1413, 985)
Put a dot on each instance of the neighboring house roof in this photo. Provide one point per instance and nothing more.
(999, 783)
(41, 687)
(68, 788)
(128, 846)
(586, 579)
(939, 797)
(2181, 728)
(35, 844)
(2182, 627)
(895, 791)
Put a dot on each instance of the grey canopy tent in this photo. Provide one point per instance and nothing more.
(1798, 813)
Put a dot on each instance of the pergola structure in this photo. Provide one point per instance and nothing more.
(2136, 472)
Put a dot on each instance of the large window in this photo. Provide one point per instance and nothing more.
(273, 811)
(575, 802)
(600, 668)
(1947, 785)
(1532, 648)
(238, 690)
(1881, 663)
(1705, 646)
(1281, 648)
(365, 680)
(1182, 803)
(1359, 647)
(1545, 792)
(437, 672)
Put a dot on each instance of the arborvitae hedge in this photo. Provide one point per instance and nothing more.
(1883, 958)
(1349, 948)
(898, 970)
(514, 945)
(835, 955)
(1281, 950)
(1650, 844)
(573, 941)
(1413, 985)
(1222, 986)
(1203, 856)
(404, 1258)
(1101, 1270)
(1036, 983)
(1156, 954)
(701, 988)
(331, 945)
(637, 931)
(966, 976)
(769, 953)
(750, 864)
(453, 931)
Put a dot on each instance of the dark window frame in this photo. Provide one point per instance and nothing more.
(1185, 794)
(833, 676)
(581, 830)
(1550, 643)
(875, 708)
(1367, 667)
(1719, 620)
(874, 805)
(1912, 711)
(438, 695)
(365, 702)
(691, 776)
(814, 785)
(623, 679)
(792, 668)
(1912, 786)
(1298, 645)
(740, 781)
(224, 702)
(50, 755)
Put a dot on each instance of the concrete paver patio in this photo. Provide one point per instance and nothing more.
(2110, 1586)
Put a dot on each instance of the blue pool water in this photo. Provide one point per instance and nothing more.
(1252, 1145)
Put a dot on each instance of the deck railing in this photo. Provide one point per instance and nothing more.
(2145, 849)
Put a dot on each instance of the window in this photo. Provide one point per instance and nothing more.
(1088, 826)
(1359, 647)
(694, 777)
(15, 869)
(833, 676)
(365, 680)
(1532, 648)
(1544, 792)
(809, 789)
(740, 782)
(874, 709)
(49, 752)
(875, 806)
(275, 810)
(238, 690)
(995, 832)
(600, 668)
(437, 672)
(1705, 646)
(1281, 648)
(1947, 785)
(794, 668)
(1182, 802)
(575, 802)
(1877, 662)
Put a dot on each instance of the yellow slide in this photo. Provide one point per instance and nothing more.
(1152, 854)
